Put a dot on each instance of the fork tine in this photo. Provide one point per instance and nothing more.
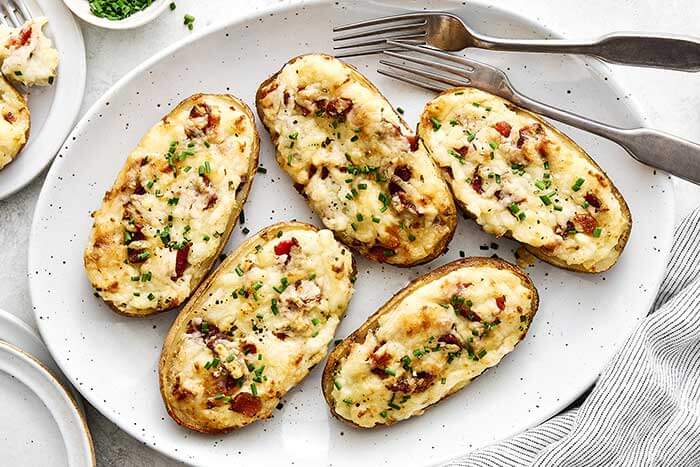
(10, 15)
(426, 73)
(432, 64)
(426, 84)
(381, 41)
(23, 9)
(383, 30)
(377, 21)
(359, 51)
(440, 54)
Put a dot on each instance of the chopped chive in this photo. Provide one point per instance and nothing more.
(577, 185)
(254, 389)
(436, 123)
(597, 232)
(336, 384)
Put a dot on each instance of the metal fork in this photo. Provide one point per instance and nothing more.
(14, 13)
(438, 71)
(447, 31)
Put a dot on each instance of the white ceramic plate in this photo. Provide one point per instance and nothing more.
(82, 9)
(113, 359)
(18, 333)
(53, 108)
(39, 419)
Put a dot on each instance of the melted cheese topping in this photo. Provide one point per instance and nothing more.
(356, 162)
(432, 343)
(27, 55)
(519, 177)
(14, 122)
(269, 317)
(175, 197)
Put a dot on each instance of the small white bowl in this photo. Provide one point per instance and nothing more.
(81, 8)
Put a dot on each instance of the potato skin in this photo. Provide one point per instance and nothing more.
(359, 335)
(13, 111)
(539, 252)
(179, 326)
(448, 217)
(92, 257)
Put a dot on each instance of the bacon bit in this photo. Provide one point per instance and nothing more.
(21, 39)
(450, 339)
(137, 235)
(9, 117)
(542, 147)
(592, 200)
(379, 372)
(211, 201)
(528, 132)
(498, 194)
(179, 392)
(586, 222)
(280, 335)
(380, 361)
(181, 260)
(462, 151)
(285, 98)
(246, 404)
(413, 142)
(285, 246)
(403, 172)
(470, 314)
(424, 380)
(394, 188)
(339, 107)
(249, 348)
(133, 255)
(139, 190)
(477, 182)
(401, 385)
(501, 302)
(563, 232)
(503, 128)
(228, 384)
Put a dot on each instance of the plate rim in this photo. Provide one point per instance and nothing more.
(65, 106)
(637, 114)
(86, 451)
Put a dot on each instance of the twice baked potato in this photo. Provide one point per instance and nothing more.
(173, 205)
(27, 56)
(14, 122)
(356, 162)
(520, 177)
(429, 341)
(256, 327)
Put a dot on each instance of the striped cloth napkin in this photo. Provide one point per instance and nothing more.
(645, 407)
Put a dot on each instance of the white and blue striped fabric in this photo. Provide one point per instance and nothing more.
(645, 408)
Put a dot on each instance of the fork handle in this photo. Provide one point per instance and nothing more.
(664, 151)
(659, 51)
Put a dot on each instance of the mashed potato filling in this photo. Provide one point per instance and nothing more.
(357, 164)
(260, 325)
(171, 208)
(519, 177)
(432, 342)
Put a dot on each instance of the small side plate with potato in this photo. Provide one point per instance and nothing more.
(52, 108)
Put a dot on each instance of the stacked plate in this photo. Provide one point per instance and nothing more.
(40, 418)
